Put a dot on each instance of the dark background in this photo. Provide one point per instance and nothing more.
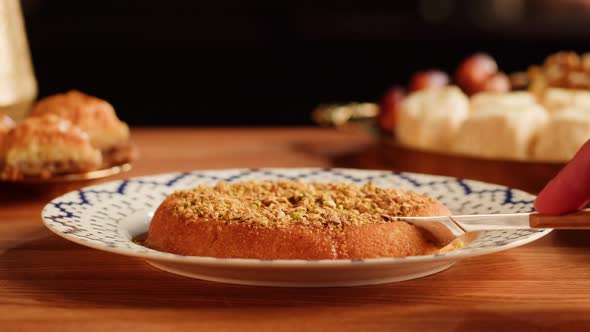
(239, 63)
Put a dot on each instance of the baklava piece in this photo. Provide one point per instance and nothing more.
(95, 116)
(45, 146)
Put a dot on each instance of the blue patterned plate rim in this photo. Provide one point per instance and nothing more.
(413, 181)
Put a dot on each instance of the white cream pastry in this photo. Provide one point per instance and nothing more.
(429, 119)
(500, 130)
(564, 134)
(505, 100)
(557, 99)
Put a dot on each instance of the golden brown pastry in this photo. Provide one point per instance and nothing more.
(560, 70)
(47, 145)
(292, 220)
(93, 115)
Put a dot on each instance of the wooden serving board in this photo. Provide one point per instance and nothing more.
(525, 175)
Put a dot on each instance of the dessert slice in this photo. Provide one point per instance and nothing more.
(292, 220)
(95, 116)
(45, 146)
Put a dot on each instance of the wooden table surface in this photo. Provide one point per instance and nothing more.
(50, 284)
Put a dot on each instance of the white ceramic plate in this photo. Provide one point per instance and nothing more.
(110, 215)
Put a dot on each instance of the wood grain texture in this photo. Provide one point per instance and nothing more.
(576, 220)
(50, 284)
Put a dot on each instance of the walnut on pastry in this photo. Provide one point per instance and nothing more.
(45, 146)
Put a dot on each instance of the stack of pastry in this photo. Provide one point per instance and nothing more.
(485, 114)
(508, 125)
(65, 133)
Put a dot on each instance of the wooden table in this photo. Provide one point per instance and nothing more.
(50, 284)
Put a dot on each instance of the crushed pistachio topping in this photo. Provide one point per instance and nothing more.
(276, 203)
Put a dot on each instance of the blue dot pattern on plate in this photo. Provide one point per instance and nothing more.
(93, 214)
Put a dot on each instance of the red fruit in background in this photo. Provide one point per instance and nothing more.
(428, 79)
(474, 71)
(499, 82)
(390, 104)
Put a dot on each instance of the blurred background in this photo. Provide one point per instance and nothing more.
(263, 63)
